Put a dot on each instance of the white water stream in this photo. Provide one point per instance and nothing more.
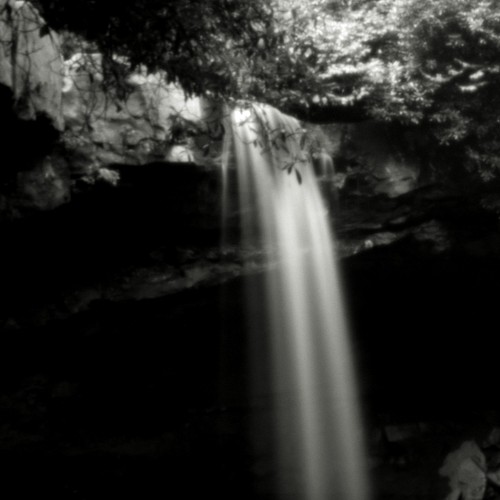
(319, 438)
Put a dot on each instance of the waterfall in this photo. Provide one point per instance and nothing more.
(320, 452)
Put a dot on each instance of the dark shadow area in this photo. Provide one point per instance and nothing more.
(153, 398)
(105, 229)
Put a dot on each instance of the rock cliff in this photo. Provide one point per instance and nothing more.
(31, 69)
(31, 65)
(79, 132)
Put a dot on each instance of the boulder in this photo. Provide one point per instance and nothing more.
(30, 63)
(466, 470)
(44, 187)
(31, 119)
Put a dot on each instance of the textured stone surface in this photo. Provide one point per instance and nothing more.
(30, 63)
(45, 186)
(466, 470)
(31, 176)
(101, 131)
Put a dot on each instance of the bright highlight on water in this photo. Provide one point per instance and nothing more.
(320, 444)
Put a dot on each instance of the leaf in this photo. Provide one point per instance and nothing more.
(299, 177)
(44, 30)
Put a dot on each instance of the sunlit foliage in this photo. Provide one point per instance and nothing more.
(433, 64)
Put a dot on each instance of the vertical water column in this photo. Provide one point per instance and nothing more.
(320, 452)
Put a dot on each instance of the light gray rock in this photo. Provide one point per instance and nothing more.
(466, 470)
(101, 132)
(31, 77)
(30, 63)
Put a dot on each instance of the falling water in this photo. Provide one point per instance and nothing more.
(319, 436)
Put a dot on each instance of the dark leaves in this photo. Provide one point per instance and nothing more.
(299, 177)
(44, 30)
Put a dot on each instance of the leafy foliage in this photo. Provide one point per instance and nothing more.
(433, 64)
(197, 43)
